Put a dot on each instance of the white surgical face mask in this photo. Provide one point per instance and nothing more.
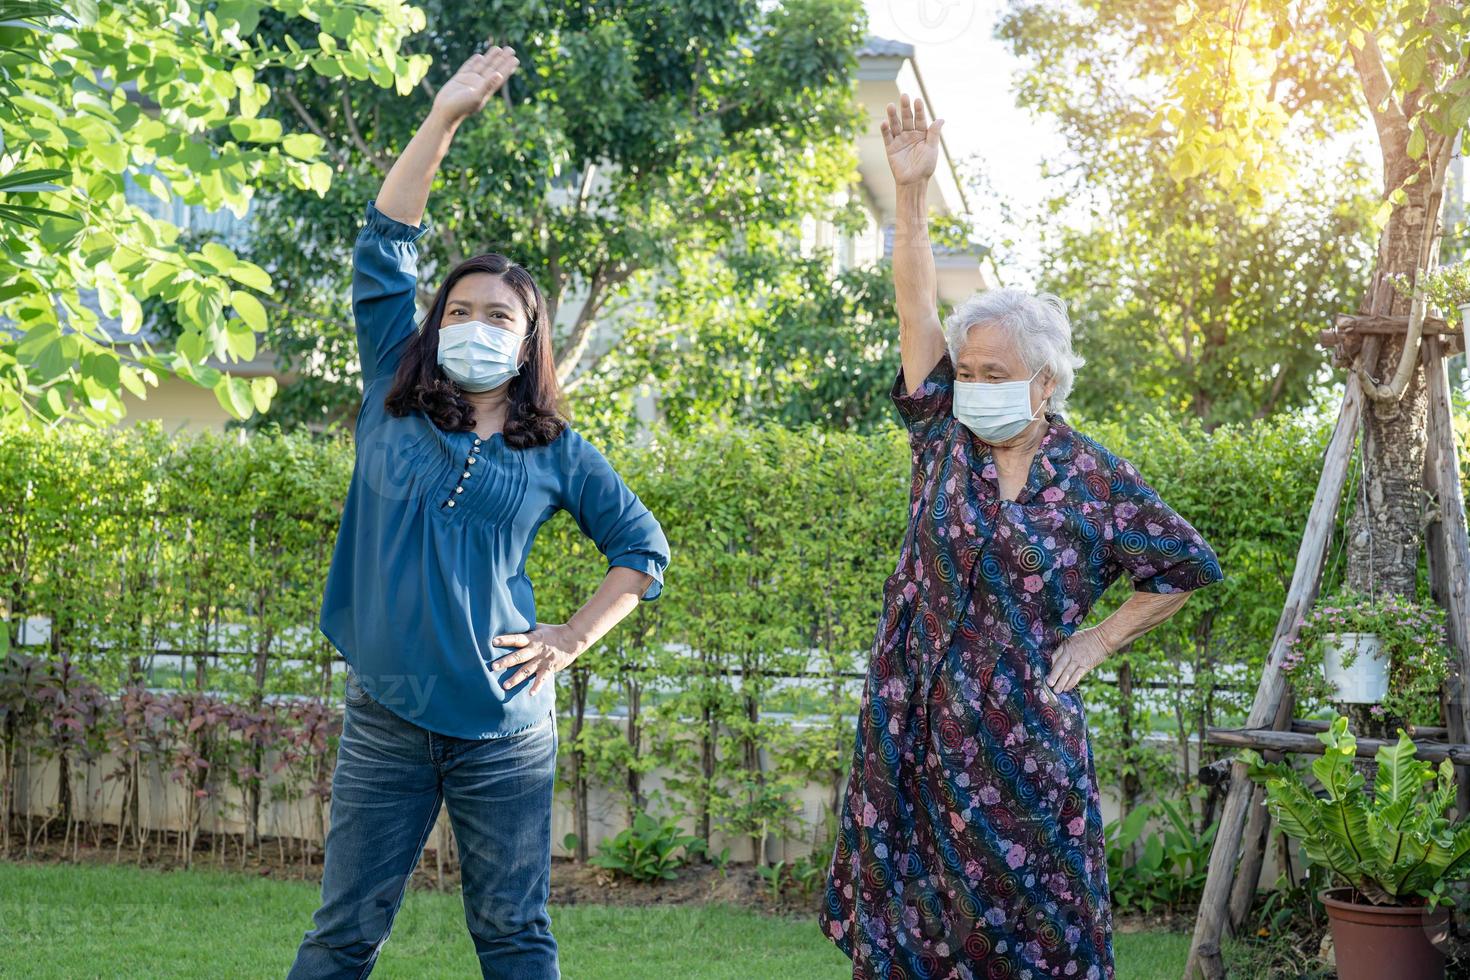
(477, 356)
(994, 411)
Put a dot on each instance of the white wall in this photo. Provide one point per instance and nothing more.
(162, 808)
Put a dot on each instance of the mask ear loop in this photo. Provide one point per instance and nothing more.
(1042, 407)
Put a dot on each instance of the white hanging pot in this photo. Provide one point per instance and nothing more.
(1366, 681)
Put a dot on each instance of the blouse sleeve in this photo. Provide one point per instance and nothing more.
(611, 515)
(384, 276)
(1158, 549)
(933, 400)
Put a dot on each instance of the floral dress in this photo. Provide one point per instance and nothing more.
(971, 836)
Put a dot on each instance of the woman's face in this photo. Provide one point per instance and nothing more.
(488, 298)
(990, 356)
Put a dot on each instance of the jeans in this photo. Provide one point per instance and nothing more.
(390, 778)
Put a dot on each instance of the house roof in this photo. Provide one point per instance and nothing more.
(887, 69)
(876, 47)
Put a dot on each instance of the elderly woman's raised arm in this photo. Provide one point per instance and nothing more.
(913, 148)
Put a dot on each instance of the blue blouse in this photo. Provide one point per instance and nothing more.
(430, 562)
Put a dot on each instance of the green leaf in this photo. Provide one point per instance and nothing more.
(240, 340)
(218, 256)
(191, 344)
(234, 396)
(262, 390)
(256, 130)
(303, 146)
(48, 361)
(156, 276)
(132, 381)
(19, 181)
(101, 368)
(320, 178)
(202, 305)
(112, 156)
(1400, 776)
(1416, 142)
(249, 308)
(250, 274)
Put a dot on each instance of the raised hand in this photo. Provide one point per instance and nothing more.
(476, 81)
(911, 141)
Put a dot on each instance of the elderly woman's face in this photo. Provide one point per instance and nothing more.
(990, 356)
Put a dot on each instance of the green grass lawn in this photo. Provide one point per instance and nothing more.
(102, 921)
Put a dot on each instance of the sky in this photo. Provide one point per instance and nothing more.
(967, 73)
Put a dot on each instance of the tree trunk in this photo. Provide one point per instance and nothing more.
(580, 822)
(1128, 778)
(633, 691)
(1385, 529)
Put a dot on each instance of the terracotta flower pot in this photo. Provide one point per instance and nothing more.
(1371, 942)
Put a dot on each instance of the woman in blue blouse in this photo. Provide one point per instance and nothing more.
(462, 455)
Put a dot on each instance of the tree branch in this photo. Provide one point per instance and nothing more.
(451, 242)
(294, 311)
(312, 124)
(555, 288)
(368, 152)
(576, 345)
(1277, 386)
(589, 171)
(1439, 165)
(1388, 116)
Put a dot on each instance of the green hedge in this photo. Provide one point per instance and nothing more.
(217, 546)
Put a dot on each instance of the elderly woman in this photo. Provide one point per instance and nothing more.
(971, 837)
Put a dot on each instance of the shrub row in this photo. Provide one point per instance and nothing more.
(216, 547)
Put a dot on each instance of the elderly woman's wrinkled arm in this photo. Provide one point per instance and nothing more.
(1087, 648)
(913, 145)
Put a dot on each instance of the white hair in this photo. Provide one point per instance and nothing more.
(1037, 325)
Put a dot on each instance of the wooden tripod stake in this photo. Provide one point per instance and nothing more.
(1268, 727)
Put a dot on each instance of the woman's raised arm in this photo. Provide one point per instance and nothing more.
(385, 258)
(405, 190)
(913, 152)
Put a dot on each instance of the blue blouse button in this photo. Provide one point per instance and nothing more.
(458, 490)
(466, 475)
(449, 502)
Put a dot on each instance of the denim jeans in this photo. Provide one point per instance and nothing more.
(390, 778)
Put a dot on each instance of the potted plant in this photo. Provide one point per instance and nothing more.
(1445, 288)
(1392, 851)
(1385, 650)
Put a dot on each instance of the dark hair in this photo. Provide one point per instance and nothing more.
(534, 417)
